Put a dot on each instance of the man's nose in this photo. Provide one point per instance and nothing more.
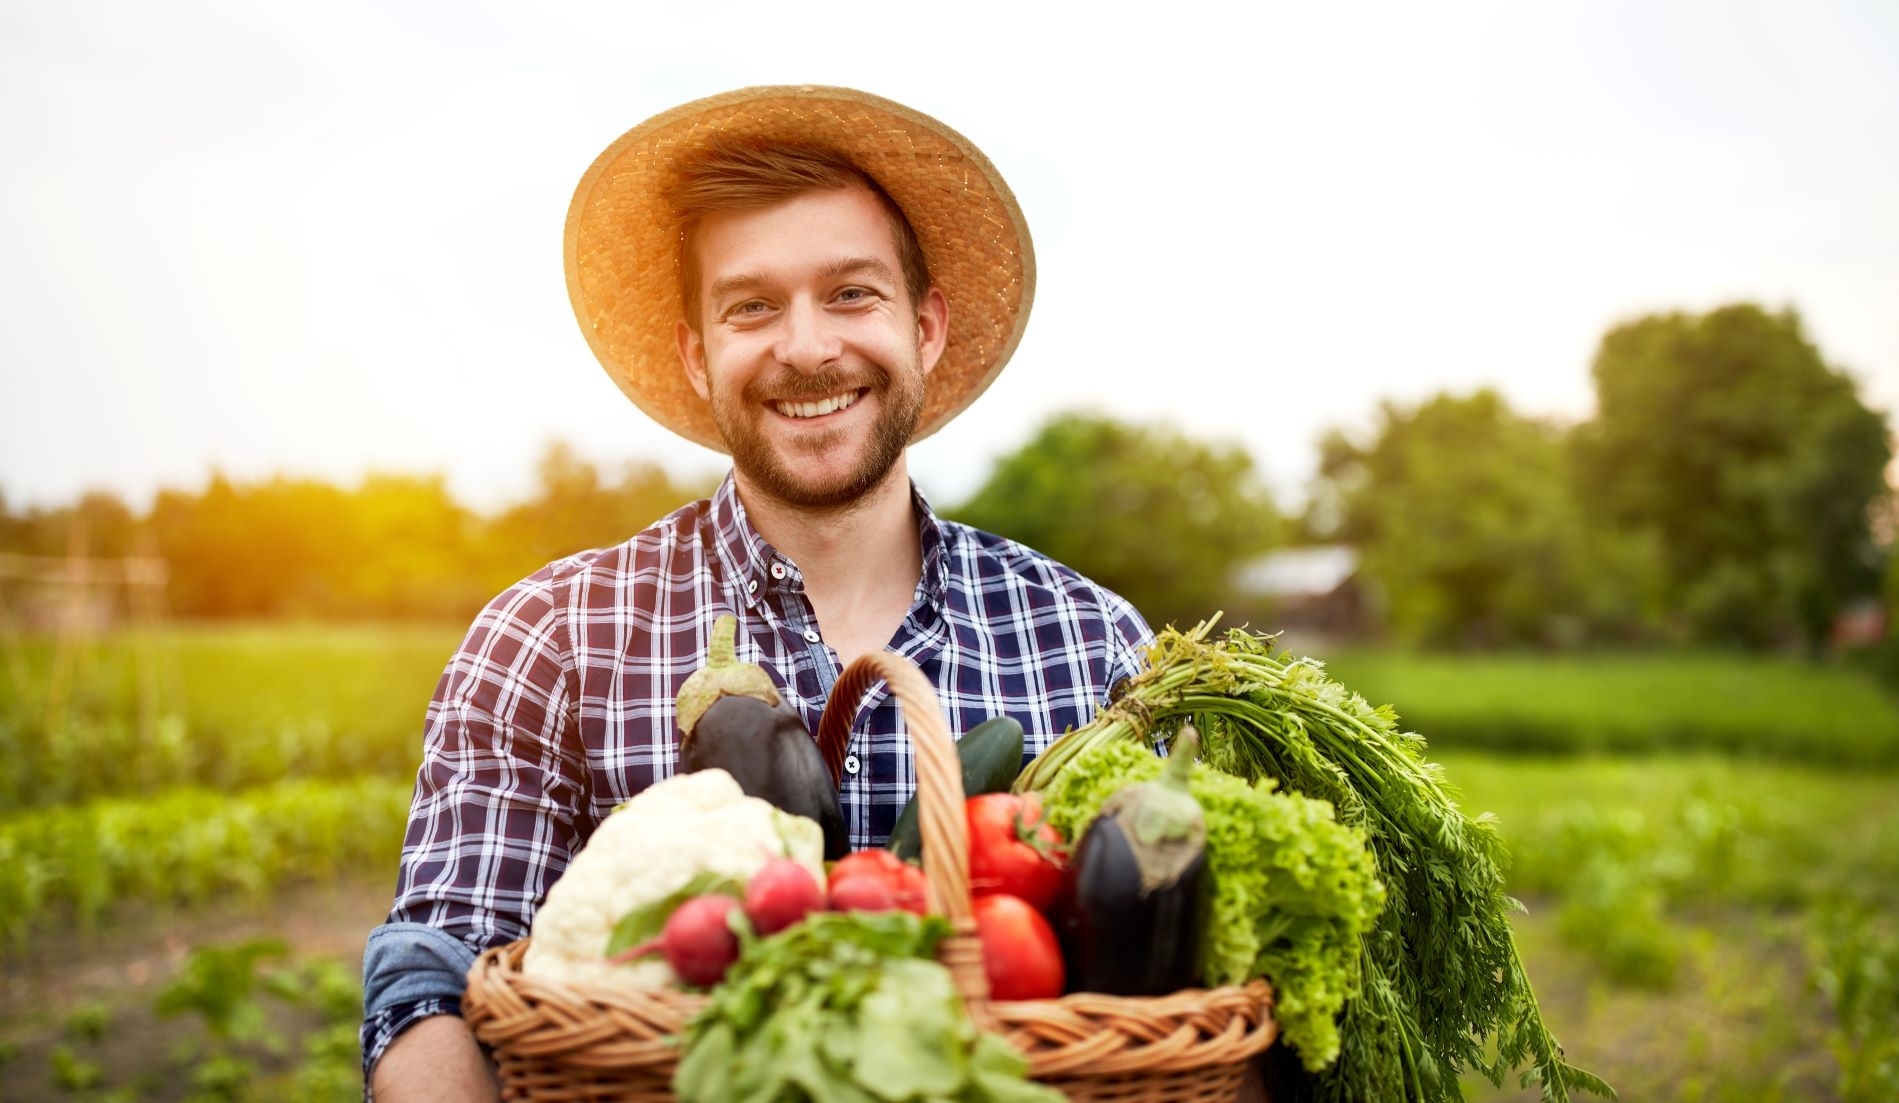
(808, 340)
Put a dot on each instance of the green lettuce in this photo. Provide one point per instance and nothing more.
(1294, 890)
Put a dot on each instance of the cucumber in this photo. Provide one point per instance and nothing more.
(991, 753)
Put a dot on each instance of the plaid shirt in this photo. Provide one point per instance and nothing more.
(559, 706)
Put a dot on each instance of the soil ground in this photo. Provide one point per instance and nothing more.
(91, 993)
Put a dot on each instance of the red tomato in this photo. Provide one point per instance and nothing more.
(1012, 849)
(903, 880)
(1019, 951)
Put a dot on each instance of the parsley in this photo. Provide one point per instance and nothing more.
(846, 1009)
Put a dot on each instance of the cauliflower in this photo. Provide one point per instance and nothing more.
(647, 850)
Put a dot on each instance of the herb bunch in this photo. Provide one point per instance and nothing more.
(1442, 989)
(846, 1008)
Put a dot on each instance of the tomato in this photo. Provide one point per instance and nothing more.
(1012, 849)
(1019, 951)
(903, 880)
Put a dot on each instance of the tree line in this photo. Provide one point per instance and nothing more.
(1730, 487)
(395, 547)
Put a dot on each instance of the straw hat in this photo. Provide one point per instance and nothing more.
(622, 239)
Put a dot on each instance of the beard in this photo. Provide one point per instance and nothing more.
(782, 476)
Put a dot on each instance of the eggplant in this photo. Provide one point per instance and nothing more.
(1132, 909)
(732, 718)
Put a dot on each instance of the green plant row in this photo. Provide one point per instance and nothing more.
(191, 846)
(1757, 898)
(1782, 709)
(1626, 848)
(232, 707)
(249, 1007)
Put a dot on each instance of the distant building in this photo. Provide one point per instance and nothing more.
(1861, 624)
(1312, 591)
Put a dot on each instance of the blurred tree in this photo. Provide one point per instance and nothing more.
(1753, 463)
(414, 551)
(1469, 531)
(13, 529)
(110, 527)
(396, 546)
(1151, 514)
(270, 549)
(575, 508)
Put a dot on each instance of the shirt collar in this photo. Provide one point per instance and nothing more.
(758, 568)
(934, 582)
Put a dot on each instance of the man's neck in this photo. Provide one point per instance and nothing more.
(860, 563)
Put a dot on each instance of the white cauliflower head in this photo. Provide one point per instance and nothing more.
(647, 850)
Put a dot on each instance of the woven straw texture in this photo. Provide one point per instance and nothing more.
(559, 1043)
(622, 239)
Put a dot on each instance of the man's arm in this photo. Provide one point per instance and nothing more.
(500, 803)
(436, 1059)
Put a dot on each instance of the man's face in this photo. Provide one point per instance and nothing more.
(810, 351)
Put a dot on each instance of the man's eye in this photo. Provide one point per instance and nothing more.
(750, 306)
(853, 295)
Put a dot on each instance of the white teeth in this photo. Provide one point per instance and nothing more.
(817, 409)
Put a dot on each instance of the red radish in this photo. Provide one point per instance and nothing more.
(698, 941)
(862, 893)
(780, 894)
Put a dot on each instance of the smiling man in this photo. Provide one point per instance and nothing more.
(809, 279)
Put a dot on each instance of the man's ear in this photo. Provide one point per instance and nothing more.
(692, 356)
(932, 328)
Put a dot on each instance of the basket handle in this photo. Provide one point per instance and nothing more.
(939, 772)
(940, 812)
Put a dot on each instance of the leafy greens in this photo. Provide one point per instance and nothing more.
(1293, 890)
(1442, 989)
(846, 1009)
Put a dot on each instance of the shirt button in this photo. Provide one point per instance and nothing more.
(850, 764)
(752, 586)
(778, 570)
(810, 635)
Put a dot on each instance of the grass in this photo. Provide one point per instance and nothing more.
(1764, 835)
(1744, 706)
(238, 706)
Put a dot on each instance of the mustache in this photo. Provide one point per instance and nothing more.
(796, 386)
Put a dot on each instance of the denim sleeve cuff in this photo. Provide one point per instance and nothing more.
(410, 962)
(386, 1025)
(410, 972)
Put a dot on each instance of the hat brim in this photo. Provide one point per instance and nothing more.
(622, 239)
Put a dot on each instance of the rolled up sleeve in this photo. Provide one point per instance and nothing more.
(410, 972)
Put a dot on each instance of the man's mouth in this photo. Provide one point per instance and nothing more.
(818, 408)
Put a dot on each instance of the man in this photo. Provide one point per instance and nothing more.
(810, 279)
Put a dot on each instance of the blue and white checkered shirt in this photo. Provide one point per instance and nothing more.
(559, 706)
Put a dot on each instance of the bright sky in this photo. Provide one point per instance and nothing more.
(325, 238)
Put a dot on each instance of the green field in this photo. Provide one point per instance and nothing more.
(236, 707)
(1741, 705)
(1701, 928)
(1707, 845)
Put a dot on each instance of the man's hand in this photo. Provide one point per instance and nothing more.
(436, 1059)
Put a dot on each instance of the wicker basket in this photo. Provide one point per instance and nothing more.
(561, 1043)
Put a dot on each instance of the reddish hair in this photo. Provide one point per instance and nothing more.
(743, 176)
